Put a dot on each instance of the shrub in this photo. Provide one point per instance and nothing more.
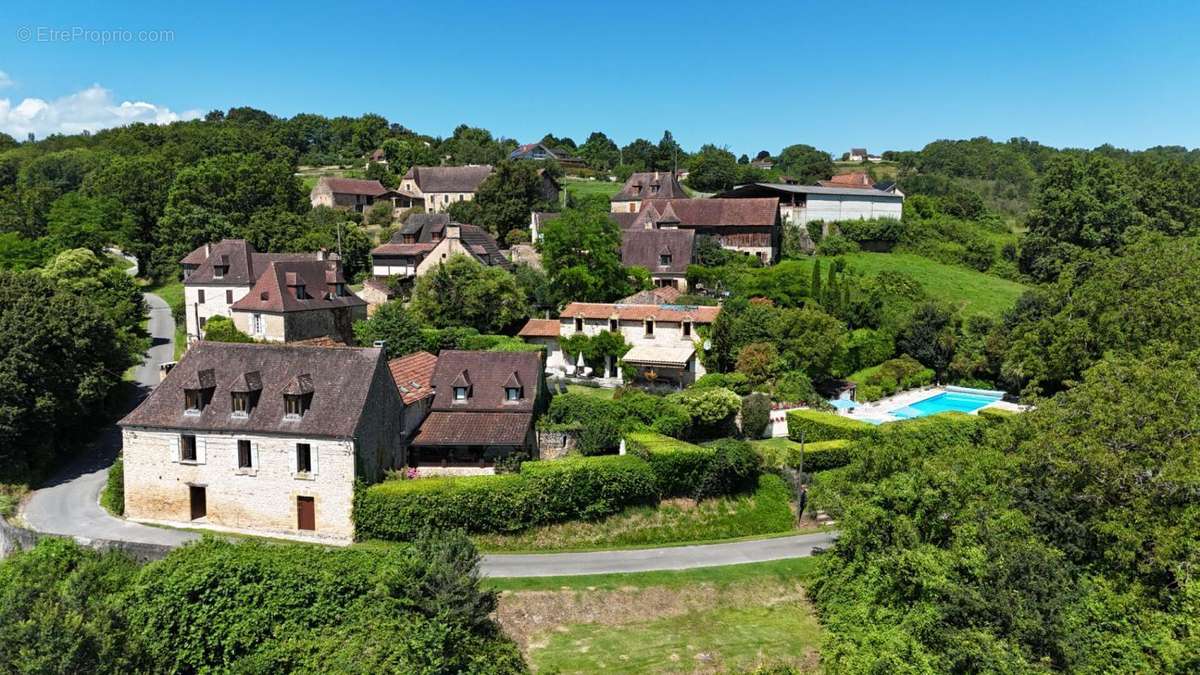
(891, 376)
(712, 410)
(540, 493)
(815, 425)
(756, 415)
(599, 436)
(683, 469)
(995, 415)
(835, 245)
(736, 382)
(758, 361)
(820, 456)
(221, 329)
(113, 496)
(795, 387)
(896, 446)
(734, 468)
(589, 488)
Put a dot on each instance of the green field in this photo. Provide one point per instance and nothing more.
(766, 511)
(582, 188)
(882, 170)
(974, 292)
(720, 619)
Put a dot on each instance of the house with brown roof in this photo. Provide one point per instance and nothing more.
(539, 151)
(646, 185)
(484, 407)
(299, 300)
(441, 186)
(357, 194)
(750, 226)
(665, 253)
(429, 239)
(264, 439)
(664, 340)
(413, 374)
(215, 276)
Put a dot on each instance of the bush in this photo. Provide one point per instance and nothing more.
(890, 377)
(835, 245)
(815, 426)
(542, 492)
(756, 415)
(995, 415)
(682, 469)
(589, 488)
(896, 446)
(795, 387)
(820, 456)
(736, 382)
(112, 498)
(221, 329)
(599, 436)
(734, 468)
(712, 410)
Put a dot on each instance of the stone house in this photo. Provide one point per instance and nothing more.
(663, 339)
(665, 253)
(215, 276)
(262, 439)
(750, 226)
(483, 408)
(441, 186)
(358, 195)
(299, 300)
(646, 185)
(429, 239)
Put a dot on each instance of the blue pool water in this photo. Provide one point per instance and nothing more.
(967, 401)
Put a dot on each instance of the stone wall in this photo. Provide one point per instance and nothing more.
(13, 539)
(556, 444)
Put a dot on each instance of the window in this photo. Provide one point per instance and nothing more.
(300, 292)
(203, 320)
(653, 189)
(193, 401)
(664, 259)
(200, 296)
(512, 393)
(649, 327)
(687, 329)
(294, 405)
(245, 455)
(613, 325)
(229, 297)
(460, 393)
(303, 458)
(578, 325)
(218, 271)
(241, 404)
(256, 324)
(187, 448)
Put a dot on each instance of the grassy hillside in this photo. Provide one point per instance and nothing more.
(973, 291)
(580, 188)
(881, 170)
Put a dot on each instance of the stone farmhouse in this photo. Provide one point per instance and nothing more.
(440, 186)
(829, 202)
(750, 226)
(663, 337)
(215, 276)
(483, 408)
(646, 185)
(262, 439)
(299, 300)
(429, 239)
(665, 253)
(358, 195)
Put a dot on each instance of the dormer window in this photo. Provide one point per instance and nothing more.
(460, 393)
(197, 391)
(461, 386)
(297, 396)
(637, 189)
(240, 404)
(219, 271)
(664, 259)
(193, 401)
(649, 327)
(653, 189)
(512, 393)
(300, 292)
(294, 405)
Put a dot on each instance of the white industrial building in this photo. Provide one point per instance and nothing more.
(801, 204)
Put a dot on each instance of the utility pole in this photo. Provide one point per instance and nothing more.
(339, 240)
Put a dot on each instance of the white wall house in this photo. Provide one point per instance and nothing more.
(801, 204)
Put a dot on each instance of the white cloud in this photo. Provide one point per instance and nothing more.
(5, 80)
(92, 109)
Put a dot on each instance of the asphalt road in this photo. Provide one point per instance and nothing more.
(69, 503)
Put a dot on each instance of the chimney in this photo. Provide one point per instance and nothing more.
(379, 344)
(321, 254)
(207, 249)
(452, 231)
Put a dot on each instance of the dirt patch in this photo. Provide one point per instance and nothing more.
(531, 617)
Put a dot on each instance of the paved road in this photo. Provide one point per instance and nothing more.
(651, 559)
(69, 503)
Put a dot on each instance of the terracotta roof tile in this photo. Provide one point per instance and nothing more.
(644, 185)
(449, 178)
(353, 186)
(277, 288)
(473, 428)
(715, 212)
(645, 248)
(540, 328)
(413, 374)
(597, 310)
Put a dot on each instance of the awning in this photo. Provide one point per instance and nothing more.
(651, 355)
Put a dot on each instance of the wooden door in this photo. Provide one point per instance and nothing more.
(199, 499)
(306, 513)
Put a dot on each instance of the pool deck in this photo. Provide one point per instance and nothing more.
(880, 411)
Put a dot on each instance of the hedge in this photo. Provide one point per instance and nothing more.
(822, 426)
(112, 497)
(819, 456)
(995, 414)
(683, 469)
(542, 492)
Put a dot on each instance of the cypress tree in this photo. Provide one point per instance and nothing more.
(815, 290)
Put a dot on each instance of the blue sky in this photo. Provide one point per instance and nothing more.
(747, 75)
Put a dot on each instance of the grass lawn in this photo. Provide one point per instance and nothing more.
(884, 170)
(172, 293)
(581, 188)
(976, 292)
(717, 619)
(597, 392)
(765, 511)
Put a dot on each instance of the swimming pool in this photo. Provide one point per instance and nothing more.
(958, 399)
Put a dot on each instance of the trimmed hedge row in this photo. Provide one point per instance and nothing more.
(543, 492)
(823, 426)
(819, 456)
(682, 469)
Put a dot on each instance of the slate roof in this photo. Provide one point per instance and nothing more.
(486, 372)
(483, 246)
(473, 428)
(623, 219)
(661, 295)
(339, 380)
(650, 184)
(759, 212)
(644, 248)
(599, 310)
(539, 328)
(413, 374)
(449, 178)
(276, 290)
(353, 186)
(243, 263)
